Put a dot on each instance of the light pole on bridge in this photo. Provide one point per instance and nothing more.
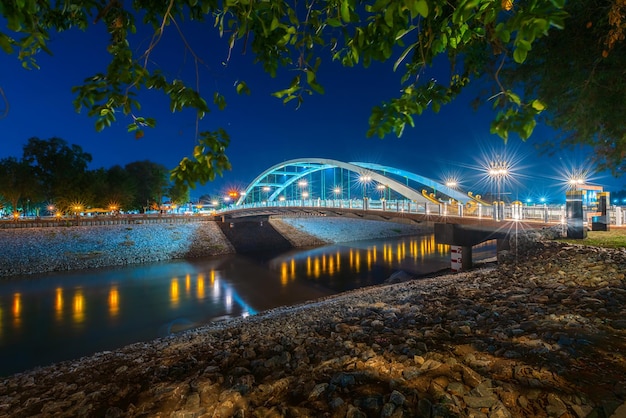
(498, 172)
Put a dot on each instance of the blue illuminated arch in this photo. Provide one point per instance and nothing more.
(283, 175)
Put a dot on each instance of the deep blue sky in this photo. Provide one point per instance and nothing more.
(263, 131)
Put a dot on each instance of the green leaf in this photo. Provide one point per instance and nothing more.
(345, 10)
(5, 43)
(421, 7)
(219, 101)
(242, 88)
(523, 44)
(505, 36)
(519, 55)
(389, 16)
(514, 97)
(310, 76)
(274, 23)
(527, 129)
(403, 55)
(335, 23)
(538, 105)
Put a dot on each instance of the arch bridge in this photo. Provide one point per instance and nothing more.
(312, 179)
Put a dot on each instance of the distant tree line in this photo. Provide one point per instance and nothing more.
(53, 177)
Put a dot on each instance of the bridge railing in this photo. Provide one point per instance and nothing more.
(616, 215)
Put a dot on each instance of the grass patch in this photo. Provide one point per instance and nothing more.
(615, 238)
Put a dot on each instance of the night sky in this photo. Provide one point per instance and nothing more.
(263, 131)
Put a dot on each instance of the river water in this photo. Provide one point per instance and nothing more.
(63, 316)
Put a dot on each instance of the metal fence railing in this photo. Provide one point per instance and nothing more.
(616, 215)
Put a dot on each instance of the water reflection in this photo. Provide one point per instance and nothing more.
(78, 307)
(174, 296)
(416, 255)
(73, 314)
(114, 301)
(17, 310)
(58, 304)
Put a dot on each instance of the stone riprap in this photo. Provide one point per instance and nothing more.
(307, 231)
(26, 251)
(39, 250)
(543, 334)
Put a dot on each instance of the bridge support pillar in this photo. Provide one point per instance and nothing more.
(462, 238)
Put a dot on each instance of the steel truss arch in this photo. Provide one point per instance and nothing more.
(294, 171)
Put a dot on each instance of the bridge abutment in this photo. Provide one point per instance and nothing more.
(464, 238)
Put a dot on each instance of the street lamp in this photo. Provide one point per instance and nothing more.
(498, 171)
(337, 192)
(266, 189)
(364, 180)
(575, 182)
(303, 193)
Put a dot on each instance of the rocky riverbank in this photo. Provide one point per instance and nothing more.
(25, 251)
(40, 250)
(541, 335)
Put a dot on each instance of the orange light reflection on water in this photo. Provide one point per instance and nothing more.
(392, 254)
(283, 273)
(174, 292)
(58, 304)
(78, 305)
(200, 287)
(17, 310)
(114, 302)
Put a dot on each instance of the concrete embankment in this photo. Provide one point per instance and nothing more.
(26, 251)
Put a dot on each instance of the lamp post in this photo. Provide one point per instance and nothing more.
(498, 171)
(381, 189)
(365, 180)
(266, 189)
(337, 192)
(303, 184)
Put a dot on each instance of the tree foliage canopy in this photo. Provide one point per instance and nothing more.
(479, 38)
(53, 176)
(580, 74)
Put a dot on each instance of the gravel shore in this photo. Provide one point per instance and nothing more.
(543, 334)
